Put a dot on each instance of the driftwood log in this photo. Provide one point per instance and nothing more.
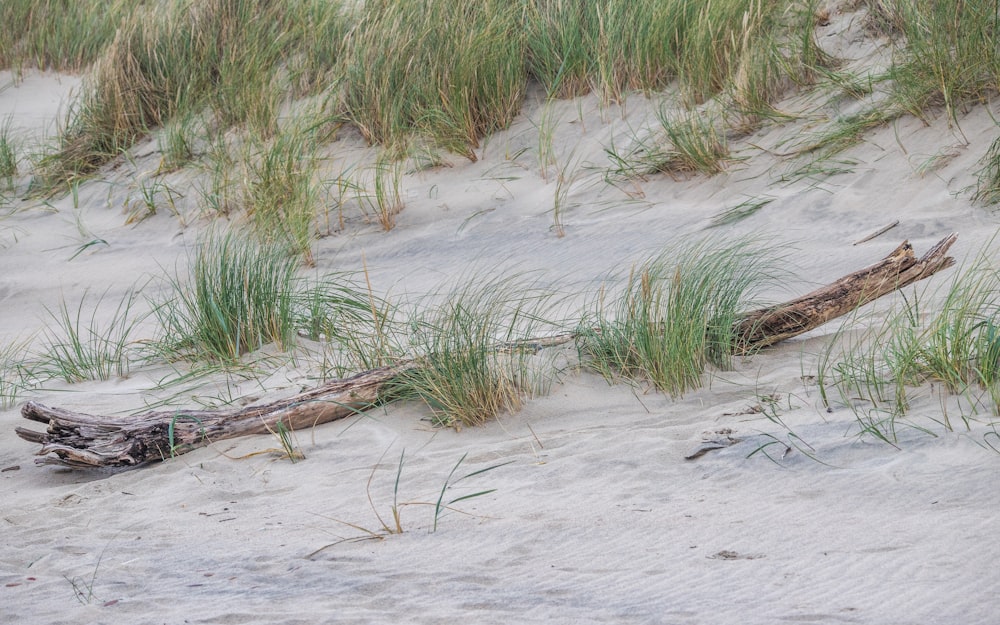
(89, 441)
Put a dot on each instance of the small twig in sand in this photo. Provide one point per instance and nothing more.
(878, 232)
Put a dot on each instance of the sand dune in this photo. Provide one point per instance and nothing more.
(596, 516)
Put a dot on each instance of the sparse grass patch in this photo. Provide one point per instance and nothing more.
(848, 131)
(740, 211)
(280, 193)
(8, 155)
(15, 372)
(177, 141)
(953, 344)
(687, 142)
(988, 177)
(696, 145)
(237, 297)
(356, 327)
(78, 348)
(388, 202)
(218, 186)
(445, 501)
(675, 315)
(470, 366)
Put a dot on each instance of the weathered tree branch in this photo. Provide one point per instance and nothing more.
(768, 326)
(83, 440)
(86, 441)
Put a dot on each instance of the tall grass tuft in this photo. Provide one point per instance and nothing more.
(280, 194)
(77, 348)
(676, 315)
(176, 57)
(470, 367)
(428, 67)
(8, 155)
(15, 372)
(687, 142)
(695, 145)
(63, 36)
(949, 52)
(238, 296)
(956, 346)
(357, 326)
(616, 47)
(988, 177)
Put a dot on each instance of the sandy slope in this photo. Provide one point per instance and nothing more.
(596, 516)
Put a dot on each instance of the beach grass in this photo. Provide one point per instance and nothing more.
(948, 52)
(9, 155)
(61, 36)
(675, 316)
(78, 346)
(175, 59)
(946, 338)
(987, 188)
(15, 371)
(470, 365)
(426, 69)
(280, 191)
(237, 297)
(408, 73)
(357, 327)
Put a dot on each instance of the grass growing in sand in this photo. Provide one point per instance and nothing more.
(423, 67)
(444, 503)
(173, 59)
(78, 347)
(356, 327)
(280, 194)
(9, 149)
(237, 298)
(15, 374)
(675, 316)
(62, 36)
(949, 341)
(470, 366)
(988, 177)
(948, 52)
(242, 293)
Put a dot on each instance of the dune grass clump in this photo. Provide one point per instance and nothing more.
(987, 189)
(431, 68)
(242, 293)
(616, 47)
(949, 52)
(469, 364)
(78, 347)
(358, 327)
(280, 194)
(676, 315)
(58, 35)
(8, 155)
(237, 297)
(173, 58)
(686, 142)
(953, 344)
(15, 372)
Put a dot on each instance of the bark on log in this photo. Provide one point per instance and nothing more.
(89, 441)
(770, 325)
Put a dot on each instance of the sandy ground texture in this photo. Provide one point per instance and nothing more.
(595, 515)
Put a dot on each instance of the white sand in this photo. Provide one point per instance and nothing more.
(597, 517)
